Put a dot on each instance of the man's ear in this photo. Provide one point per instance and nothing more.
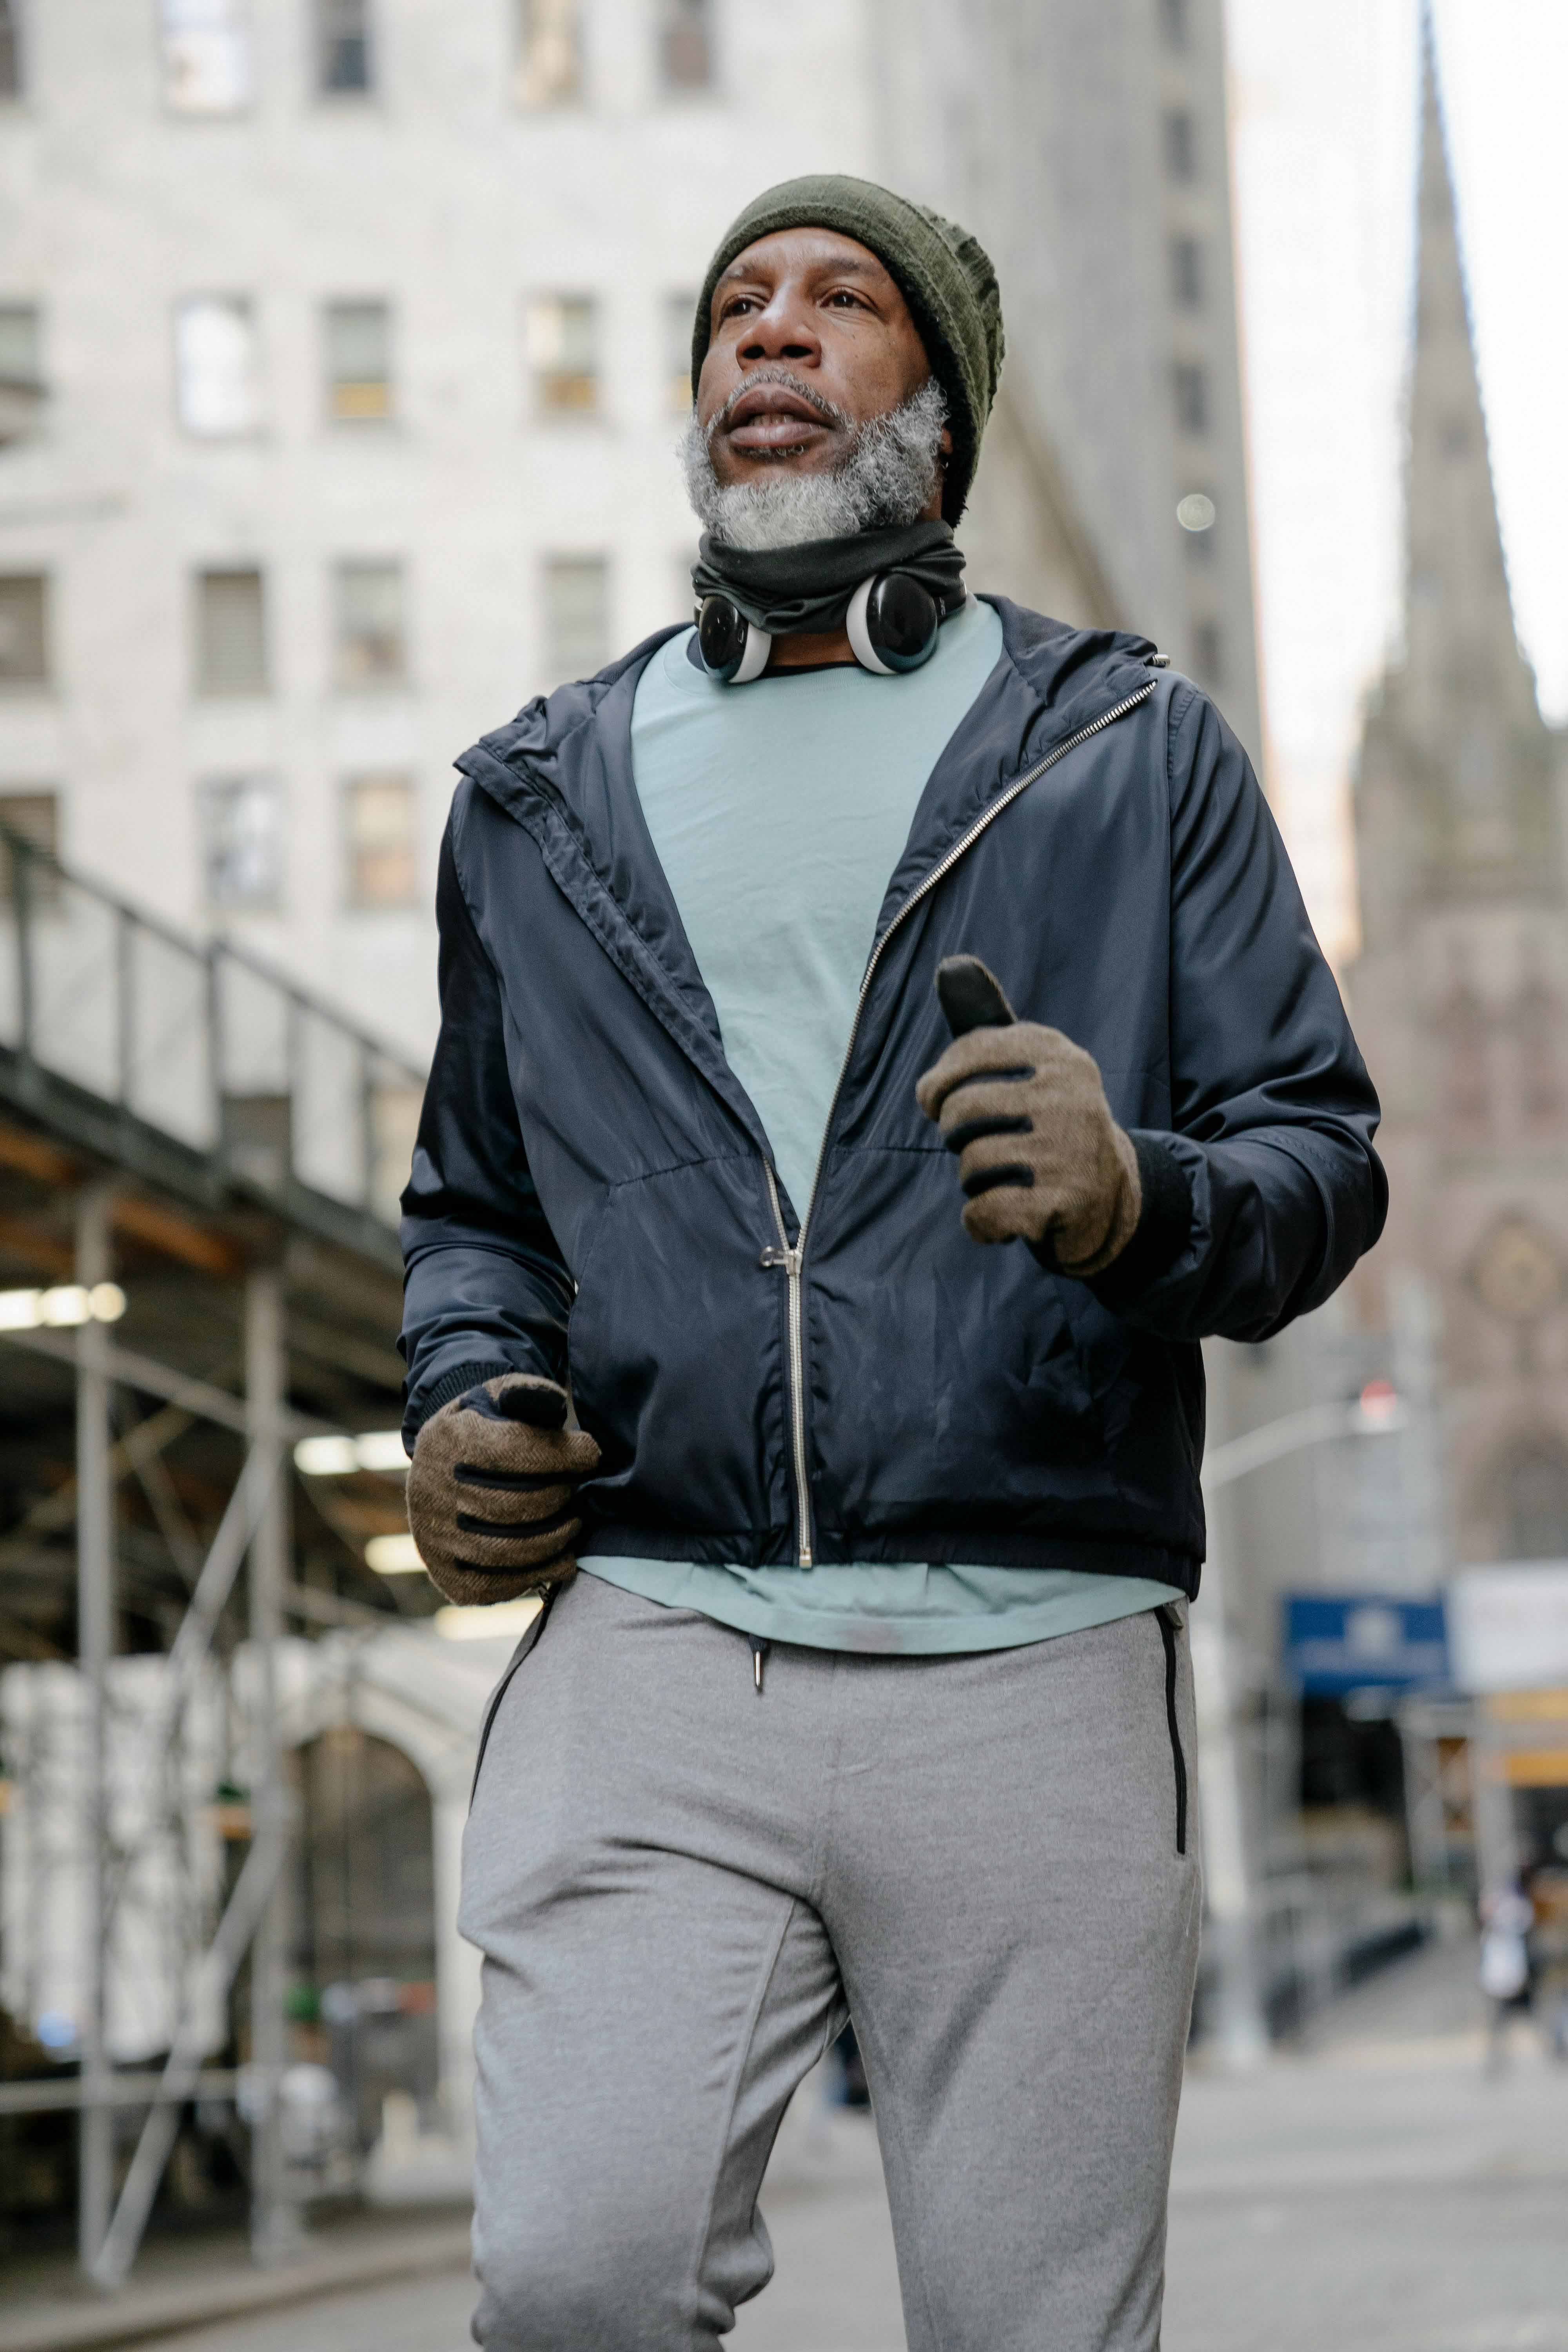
(945, 442)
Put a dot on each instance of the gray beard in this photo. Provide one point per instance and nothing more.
(888, 479)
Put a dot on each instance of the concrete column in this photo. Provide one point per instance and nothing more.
(95, 1646)
(457, 1967)
(1241, 2032)
(275, 2228)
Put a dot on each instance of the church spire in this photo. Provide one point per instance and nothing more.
(1456, 598)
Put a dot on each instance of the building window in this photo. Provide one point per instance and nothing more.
(24, 630)
(21, 371)
(368, 632)
(1187, 272)
(218, 375)
(343, 46)
(10, 50)
(231, 633)
(563, 339)
(1176, 23)
(207, 63)
(1192, 396)
(34, 814)
(679, 312)
(1181, 145)
(576, 616)
(1208, 649)
(358, 337)
(686, 45)
(21, 344)
(378, 834)
(549, 52)
(242, 842)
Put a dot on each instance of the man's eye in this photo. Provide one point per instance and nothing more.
(737, 304)
(845, 298)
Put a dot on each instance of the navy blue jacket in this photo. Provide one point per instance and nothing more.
(592, 1195)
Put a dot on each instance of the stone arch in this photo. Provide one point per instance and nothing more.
(399, 1689)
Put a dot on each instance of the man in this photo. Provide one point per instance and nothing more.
(874, 1699)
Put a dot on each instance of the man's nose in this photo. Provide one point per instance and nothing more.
(784, 330)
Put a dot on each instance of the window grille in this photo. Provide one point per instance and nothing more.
(231, 633)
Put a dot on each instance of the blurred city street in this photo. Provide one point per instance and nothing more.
(1377, 2192)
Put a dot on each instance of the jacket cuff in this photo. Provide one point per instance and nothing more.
(1164, 1225)
(455, 1383)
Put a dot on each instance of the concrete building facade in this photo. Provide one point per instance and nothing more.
(342, 363)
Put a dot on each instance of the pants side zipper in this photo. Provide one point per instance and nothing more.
(1170, 1629)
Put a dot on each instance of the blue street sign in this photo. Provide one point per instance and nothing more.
(1337, 1642)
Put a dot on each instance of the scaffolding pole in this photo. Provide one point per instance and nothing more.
(95, 1643)
(276, 2233)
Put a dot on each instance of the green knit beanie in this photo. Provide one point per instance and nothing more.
(942, 273)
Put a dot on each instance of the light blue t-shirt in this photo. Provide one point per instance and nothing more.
(779, 811)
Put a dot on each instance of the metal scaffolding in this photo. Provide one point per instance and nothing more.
(198, 1170)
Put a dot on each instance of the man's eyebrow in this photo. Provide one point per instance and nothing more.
(850, 266)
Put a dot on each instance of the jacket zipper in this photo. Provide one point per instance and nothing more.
(794, 1260)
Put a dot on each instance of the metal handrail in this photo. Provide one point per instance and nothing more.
(88, 1039)
(219, 943)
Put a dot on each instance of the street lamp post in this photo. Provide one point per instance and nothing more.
(1242, 2032)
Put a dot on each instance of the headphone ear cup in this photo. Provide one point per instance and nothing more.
(893, 624)
(859, 636)
(734, 649)
(755, 660)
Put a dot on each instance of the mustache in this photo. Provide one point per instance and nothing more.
(787, 381)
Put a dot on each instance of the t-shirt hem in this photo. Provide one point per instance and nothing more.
(774, 1620)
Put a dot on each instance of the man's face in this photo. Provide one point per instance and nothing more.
(811, 339)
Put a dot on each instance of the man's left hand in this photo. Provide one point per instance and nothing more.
(1041, 1159)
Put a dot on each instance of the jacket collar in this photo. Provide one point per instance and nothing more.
(562, 768)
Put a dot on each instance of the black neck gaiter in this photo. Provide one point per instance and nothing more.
(790, 590)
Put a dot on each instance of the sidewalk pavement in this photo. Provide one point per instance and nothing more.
(180, 2283)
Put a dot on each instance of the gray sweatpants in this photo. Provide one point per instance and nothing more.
(680, 1889)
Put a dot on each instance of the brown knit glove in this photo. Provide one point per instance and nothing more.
(1040, 1158)
(490, 1490)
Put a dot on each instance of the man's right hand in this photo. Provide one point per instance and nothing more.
(490, 1490)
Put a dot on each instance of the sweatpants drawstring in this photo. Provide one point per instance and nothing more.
(759, 1657)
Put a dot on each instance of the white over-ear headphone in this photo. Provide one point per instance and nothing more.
(892, 625)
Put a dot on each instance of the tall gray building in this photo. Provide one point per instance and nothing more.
(342, 358)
